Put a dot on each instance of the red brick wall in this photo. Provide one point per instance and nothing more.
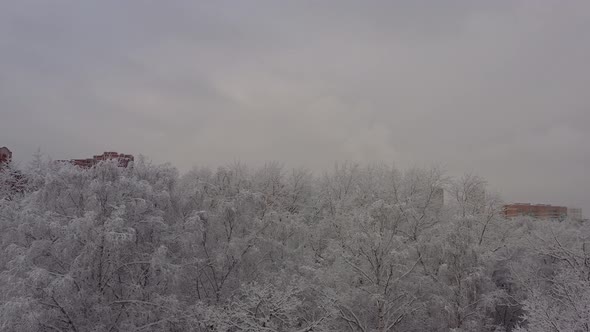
(539, 211)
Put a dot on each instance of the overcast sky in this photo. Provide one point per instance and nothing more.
(497, 88)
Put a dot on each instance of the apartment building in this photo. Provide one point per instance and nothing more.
(538, 211)
(5, 155)
(124, 160)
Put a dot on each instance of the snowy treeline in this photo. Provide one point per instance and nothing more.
(360, 248)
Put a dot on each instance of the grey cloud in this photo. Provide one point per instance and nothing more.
(496, 88)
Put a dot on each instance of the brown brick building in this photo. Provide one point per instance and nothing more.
(15, 181)
(539, 211)
(124, 160)
(5, 155)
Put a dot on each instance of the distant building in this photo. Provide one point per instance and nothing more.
(538, 211)
(5, 155)
(15, 181)
(575, 213)
(124, 160)
(438, 198)
(477, 201)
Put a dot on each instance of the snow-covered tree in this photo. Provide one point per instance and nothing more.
(359, 248)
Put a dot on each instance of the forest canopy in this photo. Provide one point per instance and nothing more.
(358, 248)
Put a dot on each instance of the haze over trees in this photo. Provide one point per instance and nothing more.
(359, 248)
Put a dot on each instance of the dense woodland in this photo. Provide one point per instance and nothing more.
(359, 248)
